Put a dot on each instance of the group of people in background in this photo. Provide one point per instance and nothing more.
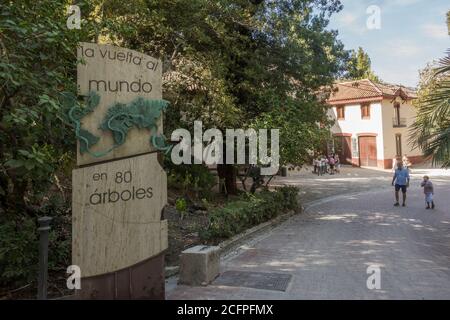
(326, 164)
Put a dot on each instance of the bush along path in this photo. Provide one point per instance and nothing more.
(248, 211)
(221, 220)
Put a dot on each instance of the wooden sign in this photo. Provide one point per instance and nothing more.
(118, 236)
(117, 75)
(117, 214)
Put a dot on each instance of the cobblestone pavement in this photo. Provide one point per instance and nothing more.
(349, 224)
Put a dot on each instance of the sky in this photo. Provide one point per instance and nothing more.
(411, 34)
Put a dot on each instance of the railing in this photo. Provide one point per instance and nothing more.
(398, 122)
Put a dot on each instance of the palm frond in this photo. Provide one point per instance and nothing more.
(444, 64)
(431, 129)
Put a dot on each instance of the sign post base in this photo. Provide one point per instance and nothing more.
(144, 280)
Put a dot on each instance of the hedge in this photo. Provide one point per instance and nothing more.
(248, 211)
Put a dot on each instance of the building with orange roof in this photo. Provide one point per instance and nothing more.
(372, 122)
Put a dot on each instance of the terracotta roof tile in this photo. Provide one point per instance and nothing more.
(365, 90)
(392, 89)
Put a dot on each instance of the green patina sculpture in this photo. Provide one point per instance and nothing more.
(119, 118)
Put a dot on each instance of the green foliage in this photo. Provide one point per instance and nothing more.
(18, 250)
(431, 129)
(297, 138)
(290, 196)
(181, 206)
(360, 66)
(37, 63)
(249, 210)
(227, 63)
(37, 163)
(19, 244)
(193, 180)
(230, 62)
(60, 237)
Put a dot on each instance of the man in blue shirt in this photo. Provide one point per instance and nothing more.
(401, 179)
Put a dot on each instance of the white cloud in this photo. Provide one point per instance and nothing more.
(402, 2)
(351, 22)
(401, 49)
(436, 31)
(347, 19)
(399, 75)
(397, 6)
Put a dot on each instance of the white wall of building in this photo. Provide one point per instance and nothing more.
(354, 124)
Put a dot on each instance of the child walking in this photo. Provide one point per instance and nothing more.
(428, 190)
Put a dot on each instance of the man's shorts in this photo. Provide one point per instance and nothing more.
(398, 187)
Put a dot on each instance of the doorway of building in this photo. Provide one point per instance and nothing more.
(368, 151)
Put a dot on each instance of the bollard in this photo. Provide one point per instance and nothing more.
(44, 228)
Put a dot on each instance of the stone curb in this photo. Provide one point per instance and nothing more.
(234, 242)
(171, 271)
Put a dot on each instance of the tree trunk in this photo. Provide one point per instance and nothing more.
(228, 173)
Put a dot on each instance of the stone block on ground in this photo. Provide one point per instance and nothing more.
(199, 265)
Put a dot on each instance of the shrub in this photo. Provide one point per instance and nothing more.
(181, 206)
(19, 244)
(18, 251)
(196, 179)
(251, 209)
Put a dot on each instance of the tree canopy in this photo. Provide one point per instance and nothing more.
(360, 66)
(241, 63)
(431, 129)
(229, 63)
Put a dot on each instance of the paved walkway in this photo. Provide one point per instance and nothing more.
(327, 249)
(350, 180)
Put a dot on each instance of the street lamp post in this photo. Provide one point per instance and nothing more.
(44, 228)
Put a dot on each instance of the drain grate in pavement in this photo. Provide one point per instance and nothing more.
(256, 280)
